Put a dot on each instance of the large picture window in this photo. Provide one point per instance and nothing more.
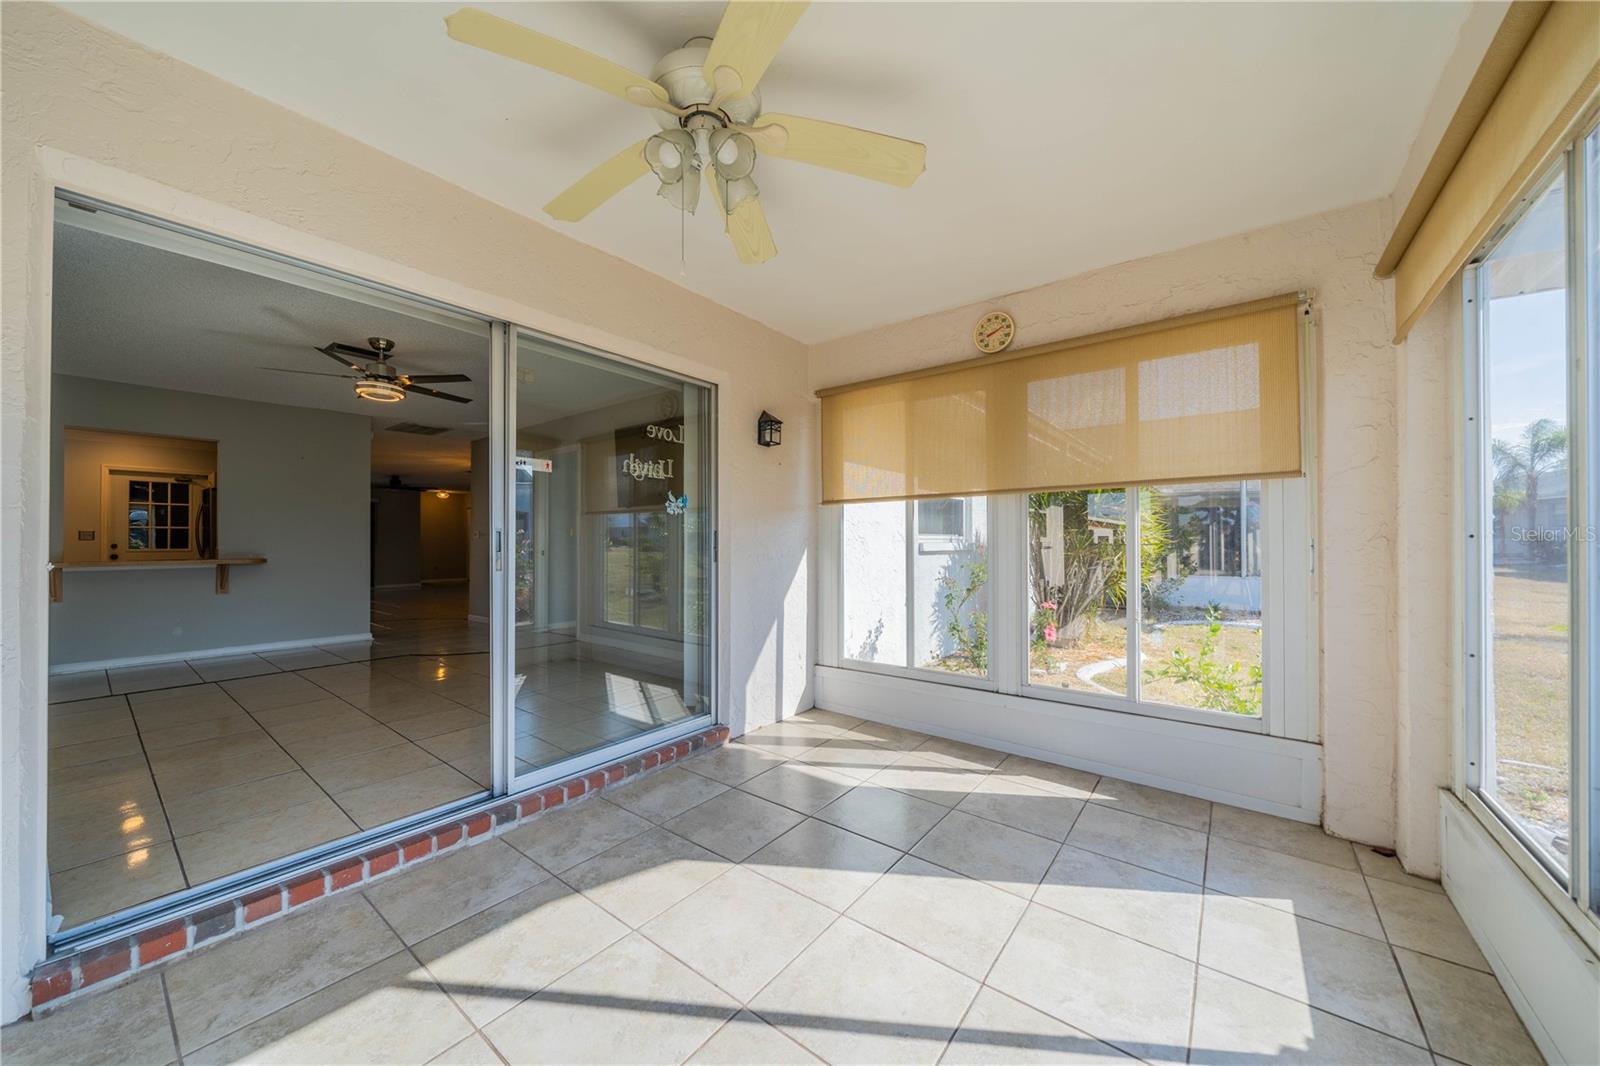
(1189, 601)
(1531, 310)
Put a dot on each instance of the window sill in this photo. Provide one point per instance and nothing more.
(1546, 963)
(1583, 923)
(1273, 775)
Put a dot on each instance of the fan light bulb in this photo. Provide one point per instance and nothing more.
(380, 391)
(671, 155)
(733, 154)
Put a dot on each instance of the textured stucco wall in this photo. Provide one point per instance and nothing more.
(1430, 563)
(91, 109)
(1332, 255)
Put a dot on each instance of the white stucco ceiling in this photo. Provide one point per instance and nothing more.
(1061, 137)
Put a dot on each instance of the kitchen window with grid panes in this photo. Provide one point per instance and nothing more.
(160, 513)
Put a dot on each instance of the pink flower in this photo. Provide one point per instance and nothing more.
(1047, 606)
(1049, 632)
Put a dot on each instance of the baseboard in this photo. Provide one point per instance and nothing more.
(1259, 773)
(209, 653)
(1550, 975)
(401, 585)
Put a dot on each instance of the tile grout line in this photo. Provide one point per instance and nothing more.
(172, 1019)
(411, 950)
(1394, 956)
(983, 982)
(1199, 938)
(298, 765)
(161, 800)
(305, 996)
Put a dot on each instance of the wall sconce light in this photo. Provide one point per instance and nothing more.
(769, 431)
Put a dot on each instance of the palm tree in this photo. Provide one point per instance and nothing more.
(1518, 465)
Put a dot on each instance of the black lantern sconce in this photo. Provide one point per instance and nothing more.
(769, 431)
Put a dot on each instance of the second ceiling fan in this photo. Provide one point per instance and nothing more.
(705, 97)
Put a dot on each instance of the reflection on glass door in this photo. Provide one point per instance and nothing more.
(612, 563)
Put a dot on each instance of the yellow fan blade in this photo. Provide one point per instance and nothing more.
(863, 153)
(750, 34)
(599, 185)
(483, 30)
(747, 226)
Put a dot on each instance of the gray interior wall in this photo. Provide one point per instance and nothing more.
(396, 541)
(292, 486)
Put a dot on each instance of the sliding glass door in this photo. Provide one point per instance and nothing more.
(332, 562)
(610, 561)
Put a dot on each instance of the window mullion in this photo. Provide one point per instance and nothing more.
(1581, 558)
(911, 584)
(1008, 592)
(1132, 587)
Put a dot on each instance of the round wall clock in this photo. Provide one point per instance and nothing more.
(994, 332)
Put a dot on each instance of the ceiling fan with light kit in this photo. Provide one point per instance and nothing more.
(705, 96)
(375, 377)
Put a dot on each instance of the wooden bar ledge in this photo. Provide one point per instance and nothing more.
(221, 564)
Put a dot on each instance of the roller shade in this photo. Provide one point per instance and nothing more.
(1212, 396)
(1547, 90)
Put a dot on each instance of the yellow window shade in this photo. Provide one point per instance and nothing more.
(1549, 88)
(1213, 396)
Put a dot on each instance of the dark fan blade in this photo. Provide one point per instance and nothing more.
(308, 373)
(432, 378)
(436, 394)
(331, 352)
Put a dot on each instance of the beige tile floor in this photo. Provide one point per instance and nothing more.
(829, 890)
(171, 775)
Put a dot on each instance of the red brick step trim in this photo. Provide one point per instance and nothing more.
(65, 976)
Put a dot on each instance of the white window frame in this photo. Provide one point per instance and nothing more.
(118, 501)
(600, 537)
(1576, 894)
(1289, 690)
(1290, 684)
(935, 543)
(830, 595)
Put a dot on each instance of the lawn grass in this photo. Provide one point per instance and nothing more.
(1532, 709)
(1106, 639)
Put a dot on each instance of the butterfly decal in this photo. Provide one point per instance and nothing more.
(676, 504)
